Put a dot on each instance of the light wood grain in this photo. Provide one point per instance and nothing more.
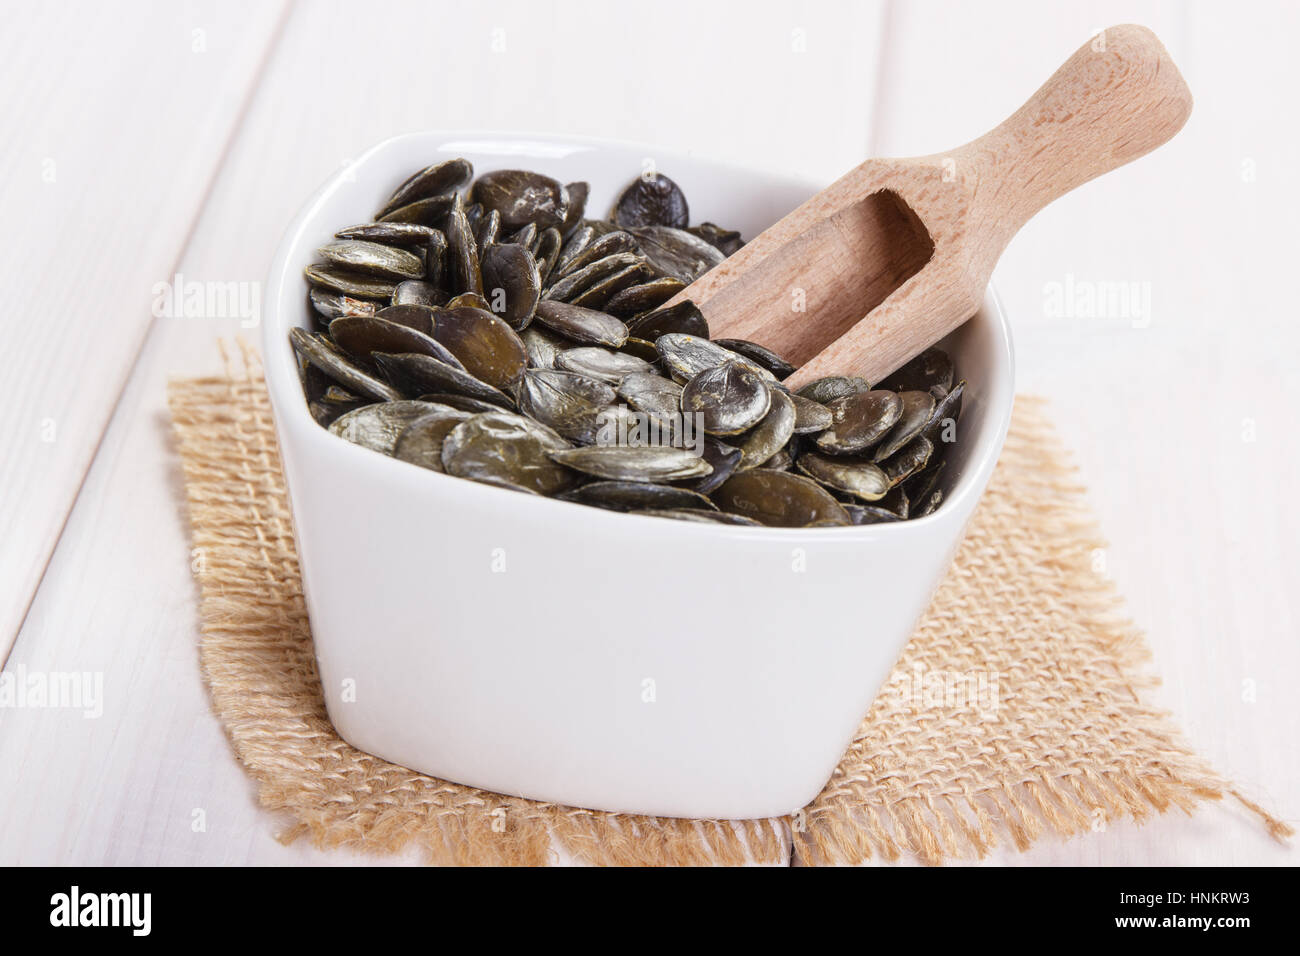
(1158, 407)
(114, 122)
(118, 597)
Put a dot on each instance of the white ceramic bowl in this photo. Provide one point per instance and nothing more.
(565, 653)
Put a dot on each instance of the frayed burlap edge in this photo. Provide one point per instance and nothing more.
(931, 778)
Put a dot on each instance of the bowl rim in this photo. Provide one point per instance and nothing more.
(292, 414)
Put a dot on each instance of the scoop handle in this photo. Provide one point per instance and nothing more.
(1117, 98)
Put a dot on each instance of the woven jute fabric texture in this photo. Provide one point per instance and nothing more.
(1016, 710)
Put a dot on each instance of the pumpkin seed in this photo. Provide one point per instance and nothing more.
(417, 317)
(931, 367)
(686, 356)
(771, 435)
(858, 421)
(522, 198)
(768, 359)
(569, 403)
(653, 394)
(810, 416)
(363, 335)
(511, 283)
(378, 427)
(645, 297)
(465, 271)
(349, 283)
(417, 374)
(430, 212)
(581, 324)
(910, 459)
(485, 346)
(575, 283)
(601, 364)
(684, 318)
(542, 346)
(916, 411)
(420, 442)
(628, 463)
(598, 249)
(332, 305)
(778, 499)
(439, 179)
(578, 193)
(330, 361)
(861, 479)
(392, 233)
(731, 398)
(637, 496)
(675, 252)
(417, 292)
(826, 390)
(373, 259)
(652, 200)
(506, 450)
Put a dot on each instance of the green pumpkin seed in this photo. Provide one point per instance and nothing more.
(858, 421)
(861, 479)
(826, 390)
(348, 282)
(778, 499)
(373, 259)
(731, 397)
(624, 463)
(420, 442)
(651, 200)
(417, 292)
(486, 346)
(430, 212)
(611, 367)
(931, 367)
(463, 252)
(378, 427)
(522, 198)
(768, 359)
(644, 298)
(637, 496)
(580, 324)
(916, 411)
(333, 364)
(363, 335)
(417, 374)
(506, 450)
(771, 435)
(437, 180)
(511, 283)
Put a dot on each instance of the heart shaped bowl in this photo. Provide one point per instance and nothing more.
(556, 651)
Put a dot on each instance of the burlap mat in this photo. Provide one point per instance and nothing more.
(1016, 710)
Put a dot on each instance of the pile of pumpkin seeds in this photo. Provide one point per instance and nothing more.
(487, 329)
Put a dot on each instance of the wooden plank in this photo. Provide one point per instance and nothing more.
(1177, 409)
(114, 123)
(118, 597)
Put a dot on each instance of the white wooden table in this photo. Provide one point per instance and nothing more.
(155, 138)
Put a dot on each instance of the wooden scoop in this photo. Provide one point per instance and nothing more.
(897, 253)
